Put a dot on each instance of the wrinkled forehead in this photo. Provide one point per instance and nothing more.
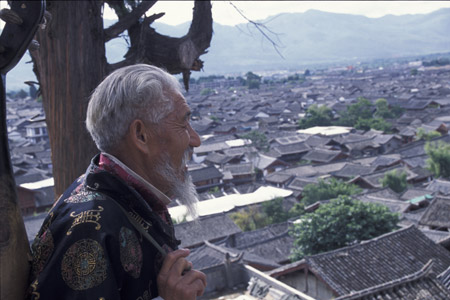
(180, 106)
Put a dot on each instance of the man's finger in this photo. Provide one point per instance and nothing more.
(172, 258)
(192, 276)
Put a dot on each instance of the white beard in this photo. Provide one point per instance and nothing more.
(184, 192)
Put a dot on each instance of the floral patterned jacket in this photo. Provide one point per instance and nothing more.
(88, 249)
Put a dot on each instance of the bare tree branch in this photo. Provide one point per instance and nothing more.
(128, 19)
(262, 28)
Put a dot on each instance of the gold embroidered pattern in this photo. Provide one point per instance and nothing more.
(146, 225)
(34, 293)
(84, 265)
(88, 216)
(83, 195)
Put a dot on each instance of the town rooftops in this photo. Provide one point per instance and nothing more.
(207, 228)
(375, 262)
(418, 285)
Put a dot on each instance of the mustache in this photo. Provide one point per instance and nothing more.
(187, 156)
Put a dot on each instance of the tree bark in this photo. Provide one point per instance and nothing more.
(69, 64)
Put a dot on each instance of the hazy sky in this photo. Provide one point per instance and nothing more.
(178, 12)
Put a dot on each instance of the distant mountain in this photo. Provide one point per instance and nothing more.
(313, 37)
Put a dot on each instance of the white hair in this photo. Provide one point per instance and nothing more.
(183, 191)
(135, 92)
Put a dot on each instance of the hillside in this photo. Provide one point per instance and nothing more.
(313, 37)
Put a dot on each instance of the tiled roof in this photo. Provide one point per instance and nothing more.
(378, 261)
(239, 169)
(444, 277)
(386, 160)
(300, 182)
(278, 177)
(384, 138)
(416, 161)
(238, 151)
(210, 255)
(351, 170)
(418, 285)
(287, 140)
(301, 171)
(321, 155)
(272, 242)
(437, 213)
(375, 178)
(264, 161)
(412, 193)
(439, 186)
(203, 174)
(385, 193)
(393, 205)
(436, 235)
(317, 141)
(351, 138)
(325, 169)
(205, 229)
(361, 145)
(217, 158)
(292, 148)
(205, 148)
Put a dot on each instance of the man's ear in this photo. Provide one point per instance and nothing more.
(140, 135)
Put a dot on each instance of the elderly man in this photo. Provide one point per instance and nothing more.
(110, 236)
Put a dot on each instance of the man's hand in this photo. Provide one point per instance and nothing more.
(177, 280)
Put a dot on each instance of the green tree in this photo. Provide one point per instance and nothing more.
(421, 134)
(361, 109)
(374, 123)
(207, 91)
(325, 190)
(253, 81)
(297, 210)
(274, 210)
(259, 140)
(383, 110)
(438, 158)
(316, 116)
(340, 223)
(395, 181)
(249, 219)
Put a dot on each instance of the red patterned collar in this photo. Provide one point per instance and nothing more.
(157, 200)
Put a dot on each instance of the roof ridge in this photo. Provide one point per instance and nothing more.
(222, 249)
(424, 271)
(400, 231)
(264, 241)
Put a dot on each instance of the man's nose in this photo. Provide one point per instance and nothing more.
(194, 137)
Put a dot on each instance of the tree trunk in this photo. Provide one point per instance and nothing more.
(69, 64)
